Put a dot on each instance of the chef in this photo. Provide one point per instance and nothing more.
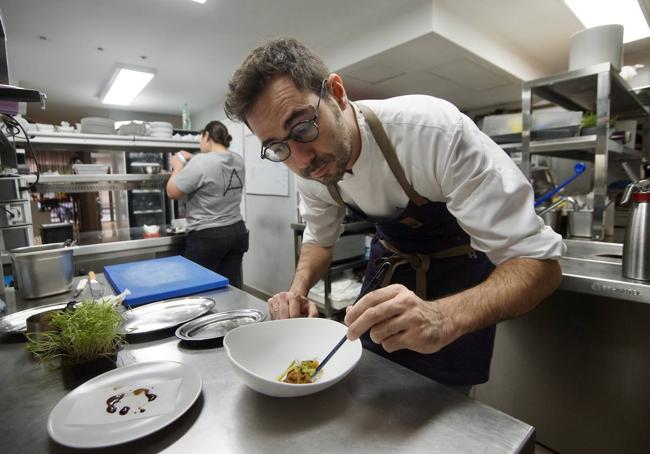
(455, 225)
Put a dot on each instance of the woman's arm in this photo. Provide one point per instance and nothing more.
(173, 192)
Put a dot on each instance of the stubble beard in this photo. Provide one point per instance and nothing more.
(342, 146)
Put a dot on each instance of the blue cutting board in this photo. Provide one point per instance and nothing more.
(159, 279)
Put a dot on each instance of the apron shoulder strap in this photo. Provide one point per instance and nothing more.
(390, 155)
(336, 194)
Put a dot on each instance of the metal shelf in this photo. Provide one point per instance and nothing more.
(347, 264)
(103, 142)
(581, 148)
(159, 210)
(104, 182)
(577, 90)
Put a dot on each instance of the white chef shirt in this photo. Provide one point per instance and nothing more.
(446, 158)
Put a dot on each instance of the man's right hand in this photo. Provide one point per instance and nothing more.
(290, 305)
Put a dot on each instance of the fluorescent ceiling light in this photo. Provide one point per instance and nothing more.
(601, 12)
(199, 1)
(126, 84)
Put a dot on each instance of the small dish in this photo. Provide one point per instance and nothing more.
(164, 314)
(213, 327)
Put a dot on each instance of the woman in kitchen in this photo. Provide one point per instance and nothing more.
(212, 181)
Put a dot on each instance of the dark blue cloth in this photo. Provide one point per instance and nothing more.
(220, 249)
(465, 361)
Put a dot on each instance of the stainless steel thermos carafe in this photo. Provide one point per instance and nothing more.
(636, 249)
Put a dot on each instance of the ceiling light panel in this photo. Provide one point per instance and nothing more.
(125, 85)
(593, 13)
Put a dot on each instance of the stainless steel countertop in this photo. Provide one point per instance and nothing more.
(595, 268)
(123, 242)
(141, 243)
(379, 407)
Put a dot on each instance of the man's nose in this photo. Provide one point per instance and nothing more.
(302, 154)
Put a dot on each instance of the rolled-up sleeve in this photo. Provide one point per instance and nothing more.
(323, 219)
(491, 198)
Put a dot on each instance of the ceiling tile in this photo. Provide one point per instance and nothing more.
(470, 75)
(374, 73)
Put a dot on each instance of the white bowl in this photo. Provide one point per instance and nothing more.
(260, 352)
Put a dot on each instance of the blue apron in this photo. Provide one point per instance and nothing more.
(428, 251)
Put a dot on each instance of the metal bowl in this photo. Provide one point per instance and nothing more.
(145, 167)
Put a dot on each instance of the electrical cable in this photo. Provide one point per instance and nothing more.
(14, 128)
(11, 213)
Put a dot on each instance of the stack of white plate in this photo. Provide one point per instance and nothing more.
(161, 129)
(132, 129)
(97, 125)
(88, 169)
(44, 127)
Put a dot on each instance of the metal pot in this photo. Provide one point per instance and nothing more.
(580, 223)
(43, 270)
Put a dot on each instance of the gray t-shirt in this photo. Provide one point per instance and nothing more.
(213, 183)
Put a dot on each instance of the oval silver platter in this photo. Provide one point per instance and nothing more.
(17, 322)
(164, 314)
(215, 326)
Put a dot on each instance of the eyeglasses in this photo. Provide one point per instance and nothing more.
(304, 131)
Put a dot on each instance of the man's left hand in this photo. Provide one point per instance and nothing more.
(397, 318)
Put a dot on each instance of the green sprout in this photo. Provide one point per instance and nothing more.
(86, 333)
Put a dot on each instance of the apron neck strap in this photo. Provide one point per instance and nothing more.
(336, 194)
(387, 149)
(390, 156)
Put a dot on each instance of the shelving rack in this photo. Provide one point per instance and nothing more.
(599, 89)
(119, 181)
(336, 266)
(102, 143)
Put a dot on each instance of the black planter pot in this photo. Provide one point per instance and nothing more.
(76, 374)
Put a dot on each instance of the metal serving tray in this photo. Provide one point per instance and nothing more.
(215, 326)
(17, 322)
(164, 314)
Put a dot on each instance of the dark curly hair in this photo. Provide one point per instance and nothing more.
(218, 132)
(280, 56)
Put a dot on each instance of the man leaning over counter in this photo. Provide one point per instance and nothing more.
(454, 215)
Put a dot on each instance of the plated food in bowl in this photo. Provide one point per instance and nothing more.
(300, 372)
(260, 352)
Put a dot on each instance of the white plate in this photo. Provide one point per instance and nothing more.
(95, 436)
(161, 124)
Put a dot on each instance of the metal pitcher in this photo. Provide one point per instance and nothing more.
(636, 249)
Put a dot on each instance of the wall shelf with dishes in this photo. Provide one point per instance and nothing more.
(122, 171)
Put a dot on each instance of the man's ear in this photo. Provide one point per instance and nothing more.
(336, 89)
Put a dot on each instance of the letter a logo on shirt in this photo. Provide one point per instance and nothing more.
(234, 182)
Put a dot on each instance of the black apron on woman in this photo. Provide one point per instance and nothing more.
(430, 254)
